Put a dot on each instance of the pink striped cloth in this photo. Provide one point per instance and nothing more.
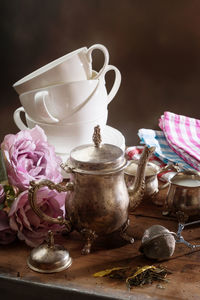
(183, 136)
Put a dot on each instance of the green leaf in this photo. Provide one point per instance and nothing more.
(10, 195)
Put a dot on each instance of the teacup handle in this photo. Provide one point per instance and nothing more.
(17, 118)
(113, 91)
(106, 58)
(116, 84)
(32, 196)
(40, 106)
(168, 167)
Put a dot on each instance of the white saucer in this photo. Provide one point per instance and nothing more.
(110, 135)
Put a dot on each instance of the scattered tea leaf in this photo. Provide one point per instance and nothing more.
(141, 270)
(108, 271)
(160, 286)
(136, 276)
(146, 275)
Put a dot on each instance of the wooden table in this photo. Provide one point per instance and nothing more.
(17, 281)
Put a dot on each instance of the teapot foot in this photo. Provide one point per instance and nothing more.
(124, 234)
(89, 236)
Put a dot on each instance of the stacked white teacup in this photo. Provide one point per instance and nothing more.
(67, 98)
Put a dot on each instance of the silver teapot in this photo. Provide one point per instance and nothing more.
(98, 202)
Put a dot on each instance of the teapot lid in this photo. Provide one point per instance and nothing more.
(48, 257)
(97, 158)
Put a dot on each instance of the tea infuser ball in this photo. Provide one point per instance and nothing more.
(158, 242)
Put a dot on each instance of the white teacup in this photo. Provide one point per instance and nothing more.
(64, 137)
(51, 104)
(74, 66)
(71, 102)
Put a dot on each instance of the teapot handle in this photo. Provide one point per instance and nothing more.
(32, 196)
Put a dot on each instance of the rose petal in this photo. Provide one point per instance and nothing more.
(29, 226)
(28, 157)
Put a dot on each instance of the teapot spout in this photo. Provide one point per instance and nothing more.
(136, 191)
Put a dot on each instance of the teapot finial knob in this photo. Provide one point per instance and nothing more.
(50, 239)
(97, 136)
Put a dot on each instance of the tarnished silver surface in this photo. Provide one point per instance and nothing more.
(104, 159)
(49, 258)
(184, 197)
(98, 203)
(151, 180)
(97, 136)
(158, 242)
(152, 186)
(180, 238)
(137, 189)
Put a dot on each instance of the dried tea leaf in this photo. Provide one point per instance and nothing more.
(108, 271)
(136, 276)
(159, 286)
(141, 270)
(146, 275)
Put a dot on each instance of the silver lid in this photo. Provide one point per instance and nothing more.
(98, 158)
(49, 258)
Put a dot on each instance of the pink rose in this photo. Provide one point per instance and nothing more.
(28, 225)
(7, 235)
(28, 156)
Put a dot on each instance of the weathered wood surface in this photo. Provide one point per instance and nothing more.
(17, 281)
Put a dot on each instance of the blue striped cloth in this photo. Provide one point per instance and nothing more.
(158, 140)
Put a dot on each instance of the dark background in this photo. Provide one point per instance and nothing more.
(155, 45)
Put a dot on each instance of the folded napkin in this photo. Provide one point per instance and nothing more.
(158, 140)
(183, 136)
